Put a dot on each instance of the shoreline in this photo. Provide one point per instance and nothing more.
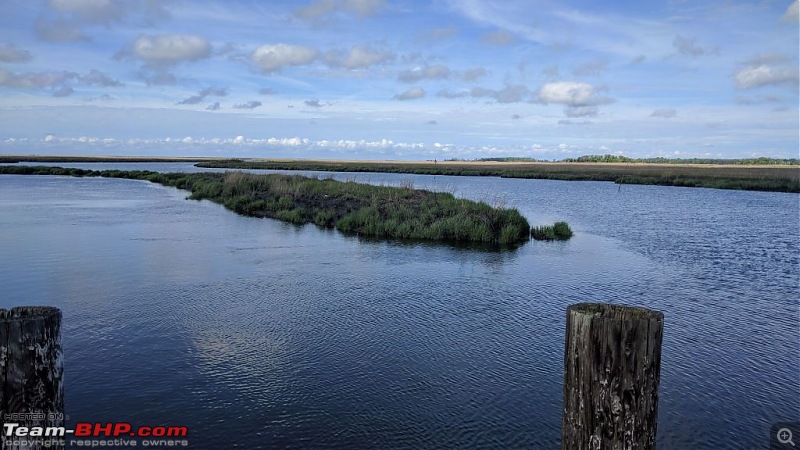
(755, 177)
(350, 207)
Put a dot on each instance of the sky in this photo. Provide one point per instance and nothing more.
(400, 79)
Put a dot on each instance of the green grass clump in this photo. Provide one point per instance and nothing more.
(558, 231)
(379, 211)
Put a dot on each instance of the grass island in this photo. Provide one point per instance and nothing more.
(379, 211)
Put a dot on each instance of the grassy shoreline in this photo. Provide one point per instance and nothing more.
(734, 174)
(774, 178)
(379, 211)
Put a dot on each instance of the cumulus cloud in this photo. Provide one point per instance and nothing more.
(358, 57)
(168, 49)
(571, 93)
(664, 113)
(313, 103)
(207, 92)
(411, 94)
(689, 47)
(792, 14)
(89, 11)
(252, 104)
(579, 99)
(580, 111)
(193, 100)
(11, 54)
(512, 93)
(766, 70)
(160, 78)
(64, 19)
(474, 74)
(433, 122)
(446, 93)
(516, 117)
(273, 57)
(319, 9)
(435, 72)
(63, 91)
(499, 37)
(213, 107)
(98, 78)
(35, 80)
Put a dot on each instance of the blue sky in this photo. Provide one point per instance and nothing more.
(399, 79)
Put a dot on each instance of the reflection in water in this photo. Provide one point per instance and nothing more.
(179, 311)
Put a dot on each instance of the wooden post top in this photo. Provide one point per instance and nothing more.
(615, 312)
(29, 312)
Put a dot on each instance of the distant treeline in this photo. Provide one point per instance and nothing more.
(624, 159)
(732, 176)
(378, 211)
(660, 160)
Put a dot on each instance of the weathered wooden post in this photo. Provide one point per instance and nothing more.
(31, 373)
(612, 367)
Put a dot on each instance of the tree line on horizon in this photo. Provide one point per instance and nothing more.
(761, 161)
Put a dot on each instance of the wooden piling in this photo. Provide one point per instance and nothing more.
(31, 370)
(612, 367)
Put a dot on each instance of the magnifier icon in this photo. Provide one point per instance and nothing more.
(785, 436)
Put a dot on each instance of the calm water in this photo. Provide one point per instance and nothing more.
(259, 334)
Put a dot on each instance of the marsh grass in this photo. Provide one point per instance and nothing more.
(558, 231)
(380, 211)
(763, 177)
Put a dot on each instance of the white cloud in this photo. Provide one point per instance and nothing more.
(435, 72)
(35, 80)
(689, 47)
(665, 113)
(97, 78)
(11, 54)
(92, 11)
(474, 74)
(792, 14)
(571, 93)
(273, 57)
(446, 93)
(411, 94)
(768, 70)
(512, 93)
(63, 91)
(580, 111)
(358, 57)
(171, 48)
(252, 104)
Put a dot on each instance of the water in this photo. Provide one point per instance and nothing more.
(258, 334)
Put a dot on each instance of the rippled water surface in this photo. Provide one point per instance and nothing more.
(259, 334)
